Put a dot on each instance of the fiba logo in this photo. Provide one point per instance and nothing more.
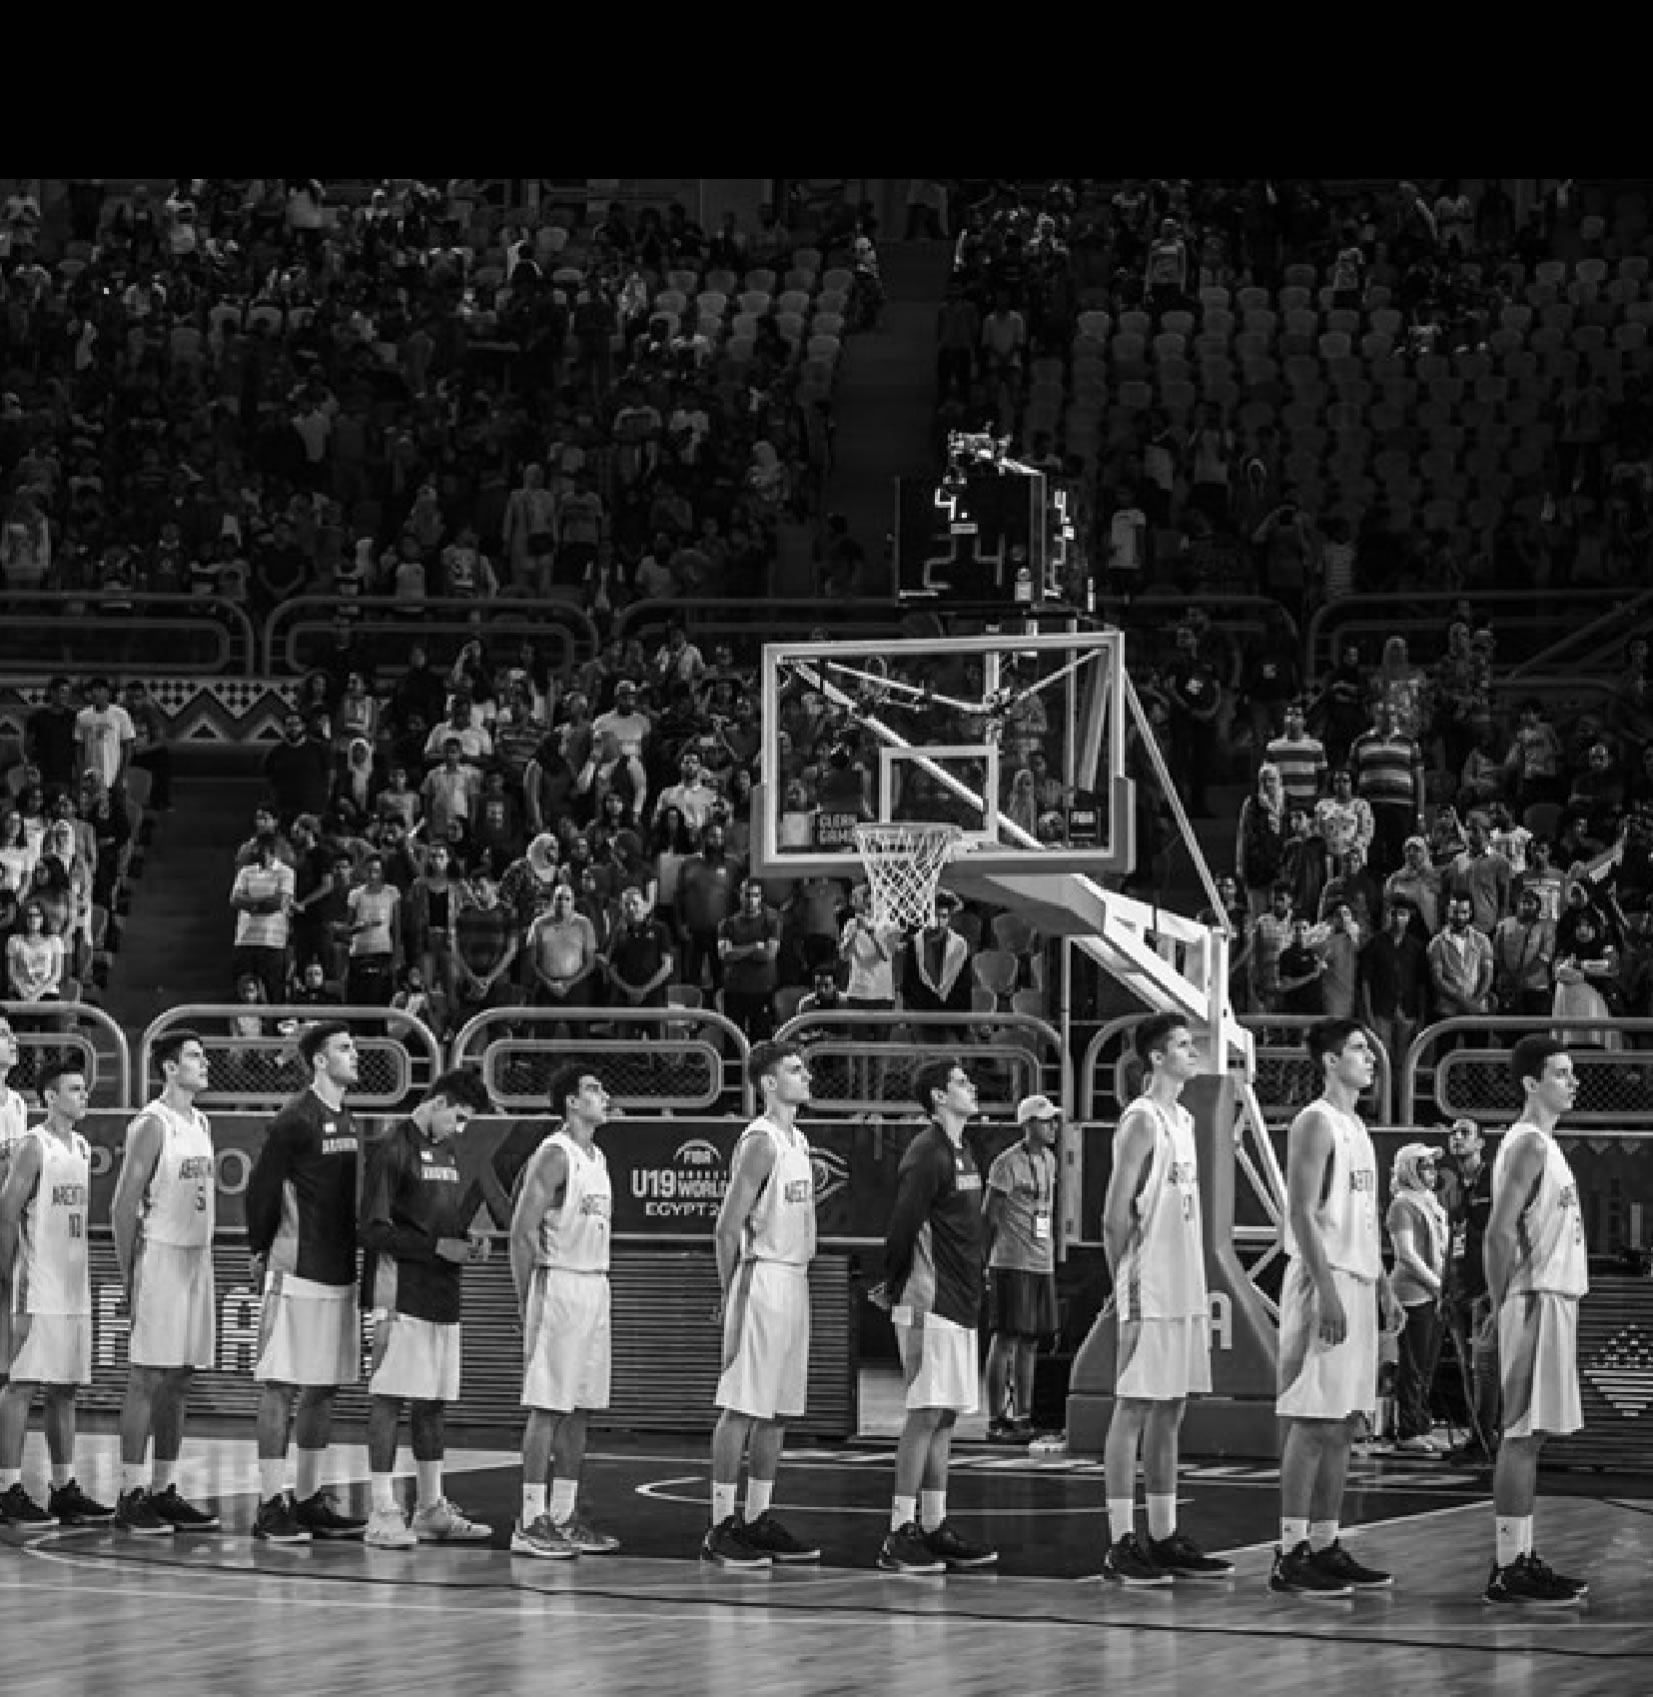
(830, 1172)
(691, 1187)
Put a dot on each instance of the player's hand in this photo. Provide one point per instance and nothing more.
(455, 1249)
(257, 1269)
(719, 1309)
(879, 1297)
(1394, 1315)
(1334, 1323)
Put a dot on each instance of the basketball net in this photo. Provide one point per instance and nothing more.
(904, 862)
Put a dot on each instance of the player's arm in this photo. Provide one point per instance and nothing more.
(916, 1188)
(1308, 1155)
(1517, 1184)
(143, 1153)
(22, 1178)
(543, 1186)
(749, 1172)
(262, 1203)
(380, 1233)
(994, 1197)
(1133, 1153)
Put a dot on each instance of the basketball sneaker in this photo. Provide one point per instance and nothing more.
(588, 1540)
(185, 1517)
(1296, 1574)
(957, 1551)
(728, 1546)
(135, 1512)
(1126, 1562)
(277, 1523)
(767, 1534)
(19, 1509)
(442, 1522)
(1529, 1583)
(318, 1516)
(543, 1539)
(387, 1529)
(1181, 1557)
(1541, 1566)
(70, 1506)
(1337, 1561)
(907, 1550)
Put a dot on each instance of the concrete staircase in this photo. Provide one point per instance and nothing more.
(175, 944)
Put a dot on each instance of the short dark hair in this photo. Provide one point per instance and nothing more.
(1154, 1032)
(931, 1077)
(314, 1038)
(565, 1082)
(1532, 1054)
(767, 1056)
(1329, 1037)
(169, 1045)
(461, 1087)
(46, 1080)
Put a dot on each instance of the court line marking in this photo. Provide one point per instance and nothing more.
(386, 1599)
(1365, 1526)
(659, 1490)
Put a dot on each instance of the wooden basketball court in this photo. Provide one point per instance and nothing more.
(96, 1610)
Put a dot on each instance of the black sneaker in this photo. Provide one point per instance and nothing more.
(1004, 1432)
(1181, 1556)
(318, 1516)
(1337, 1561)
(1528, 1583)
(767, 1535)
(958, 1552)
(1539, 1565)
(70, 1506)
(727, 1545)
(135, 1513)
(907, 1550)
(186, 1517)
(276, 1522)
(19, 1509)
(1126, 1562)
(1297, 1574)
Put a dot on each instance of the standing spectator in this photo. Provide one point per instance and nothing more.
(450, 792)
(747, 943)
(1417, 1227)
(706, 896)
(262, 897)
(51, 737)
(1260, 837)
(639, 963)
(375, 909)
(1536, 758)
(1343, 820)
(1388, 773)
(1272, 680)
(106, 735)
(486, 944)
(1271, 934)
(935, 977)
(1300, 758)
(1479, 872)
(1466, 1193)
(1339, 948)
(1393, 981)
(1340, 712)
(1355, 888)
(563, 956)
(1460, 964)
(958, 332)
(1196, 699)
(151, 743)
(1523, 954)
(1302, 967)
(298, 770)
(1418, 883)
(1586, 976)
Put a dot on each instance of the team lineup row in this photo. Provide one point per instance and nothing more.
(318, 1198)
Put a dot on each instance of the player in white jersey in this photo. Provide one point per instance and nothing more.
(1153, 1237)
(46, 1282)
(1537, 1273)
(1329, 1303)
(765, 1238)
(162, 1219)
(560, 1229)
(14, 1121)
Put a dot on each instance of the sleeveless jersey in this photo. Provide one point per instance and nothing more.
(180, 1205)
(55, 1279)
(14, 1122)
(1162, 1272)
(1549, 1234)
(781, 1226)
(574, 1236)
(1347, 1214)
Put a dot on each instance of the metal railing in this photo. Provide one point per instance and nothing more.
(301, 632)
(397, 1053)
(709, 619)
(1526, 621)
(672, 1059)
(1452, 1064)
(867, 1076)
(1594, 644)
(63, 1030)
(80, 634)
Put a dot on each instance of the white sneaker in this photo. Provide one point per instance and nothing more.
(441, 1522)
(388, 1530)
(1420, 1445)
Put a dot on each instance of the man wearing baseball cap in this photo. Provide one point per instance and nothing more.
(1021, 1266)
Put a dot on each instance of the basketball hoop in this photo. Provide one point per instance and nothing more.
(904, 862)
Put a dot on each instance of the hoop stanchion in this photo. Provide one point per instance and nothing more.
(904, 861)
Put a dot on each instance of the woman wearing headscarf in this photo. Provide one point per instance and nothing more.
(1586, 971)
(1406, 688)
(1418, 1236)
(1260, 837)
